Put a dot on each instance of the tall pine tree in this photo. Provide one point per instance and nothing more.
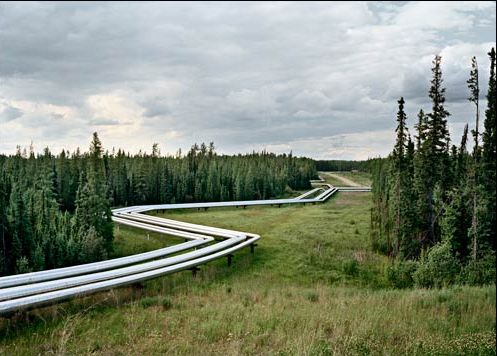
(487, 213)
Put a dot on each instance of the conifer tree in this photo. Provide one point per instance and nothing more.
(19, 227)
(487, 213)
(399, 172)
(474, 88)
(5, 236)
(456, 219)
(435, 152)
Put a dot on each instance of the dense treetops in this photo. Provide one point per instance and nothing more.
(343, 165)
(435, 204)
(55, 209)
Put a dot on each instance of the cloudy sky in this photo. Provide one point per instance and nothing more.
(321, 79)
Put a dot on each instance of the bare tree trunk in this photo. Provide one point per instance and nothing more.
(474, 220)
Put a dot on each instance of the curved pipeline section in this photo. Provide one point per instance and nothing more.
(203, 244)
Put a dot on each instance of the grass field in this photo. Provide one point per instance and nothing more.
(313, 287)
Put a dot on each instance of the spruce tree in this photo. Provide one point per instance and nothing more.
(421, 129)
(5, 235)
(474, 88)
(456, 218)
(474, 97)
(435, 152)
(487, 212)
(20, 228)
(399, 172)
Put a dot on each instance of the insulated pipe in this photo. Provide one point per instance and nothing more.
(306, 194)
(43, 287)
(40, 276)
(63, 294)
(148, 220)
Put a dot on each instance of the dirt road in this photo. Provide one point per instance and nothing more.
(346, 181)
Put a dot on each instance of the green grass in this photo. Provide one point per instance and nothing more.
(313, 287)
(129, 240)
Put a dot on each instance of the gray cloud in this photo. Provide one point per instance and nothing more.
(10, 113)
(300, 76)
(103, 122)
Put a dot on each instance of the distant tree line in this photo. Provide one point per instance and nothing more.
(202, 175)
(343, 165)
(434, 206)
(55, 210)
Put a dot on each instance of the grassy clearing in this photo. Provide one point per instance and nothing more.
(313, 287)
(361, 178)
(331, 180)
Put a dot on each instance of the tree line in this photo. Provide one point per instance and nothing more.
(434, 204)
(343, 165)
(55, 210)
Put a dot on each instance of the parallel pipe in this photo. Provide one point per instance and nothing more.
(29, 290)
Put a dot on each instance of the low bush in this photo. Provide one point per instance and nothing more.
(480, 271)
(438, 269)
(148, 302)
(311, 296)
(350, 267)
(166, 303)
(400, 273)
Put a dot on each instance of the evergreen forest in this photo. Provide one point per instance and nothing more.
(434, 201)
(55, 210)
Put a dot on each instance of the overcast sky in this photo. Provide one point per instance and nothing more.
(321, 79)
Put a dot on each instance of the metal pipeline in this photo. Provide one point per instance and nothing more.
(24, 291)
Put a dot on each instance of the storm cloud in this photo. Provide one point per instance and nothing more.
(321, 79)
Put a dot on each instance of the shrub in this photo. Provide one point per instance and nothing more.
(166, 303)
(378, 242)
(312, 296)
(92, 246)
(350, 267)
(147, 302)
(480, 271)
(22, 265)
(440, 267)
(400, 273)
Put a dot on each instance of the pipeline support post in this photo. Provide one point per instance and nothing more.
(194, 270)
